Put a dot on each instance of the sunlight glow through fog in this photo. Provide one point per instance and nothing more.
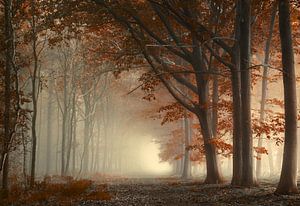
(149, 152)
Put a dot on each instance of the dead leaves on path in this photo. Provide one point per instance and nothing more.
(65, 193)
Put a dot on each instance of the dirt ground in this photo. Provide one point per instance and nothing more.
(173, 192)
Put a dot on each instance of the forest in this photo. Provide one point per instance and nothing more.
(149, 102)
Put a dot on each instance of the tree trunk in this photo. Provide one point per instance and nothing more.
(212, 168)
(264, 85)
(215, 100)
(288, 178)
(245, 52)
(271, 161)
(236, 106)
(70, 133)
(186, 122)
(34, 85)
(237, 129)
(49, 127)
(9, 59)
(64, 124)
(74, 142)
(86, 141)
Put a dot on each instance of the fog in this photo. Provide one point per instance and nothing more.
(95, 122)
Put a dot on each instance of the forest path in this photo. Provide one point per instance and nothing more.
(172, 192)
(146, 192)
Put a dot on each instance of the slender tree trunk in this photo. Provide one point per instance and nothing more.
(34, 85)
(57, 143)
(86, 141)
(288, 178)
(64, 125)
(24, 145)
(96, 166)
(186, 123)
(74, 141)
(270, 158)
(245, 55)
(70, 134)
(264, 84)
(49, 127)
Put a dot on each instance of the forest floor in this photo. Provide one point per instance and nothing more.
(150, 191)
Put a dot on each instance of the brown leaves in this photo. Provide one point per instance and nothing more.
(260, 150)
(66, 192)
(223, 148)
(172, 112)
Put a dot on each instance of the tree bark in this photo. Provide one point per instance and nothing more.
(288, 178)
(236, 105)
(186, 123)
(9, 59)
(49, 126)
(34, 85)
(212, 168)
(245, 56)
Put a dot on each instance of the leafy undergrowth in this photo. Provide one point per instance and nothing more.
(66, 191)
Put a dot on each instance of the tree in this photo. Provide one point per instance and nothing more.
(9, 68)
(264, 82)
(245, 53)
(288, 178)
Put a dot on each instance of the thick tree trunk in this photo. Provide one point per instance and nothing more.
(212, 168)
(9, 59)
(264, 85)
(237, 162)
(237, 129)
(215, 100)
(288, 178)
(245, 53)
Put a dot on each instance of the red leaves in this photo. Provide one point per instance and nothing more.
(172, 112)
(260, 150)
(66, 192)
(149, 83)
(223, 148)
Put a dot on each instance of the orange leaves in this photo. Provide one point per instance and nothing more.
(65, 193)
(261, 150)
(171, 112)
(275, 102)
(149, 83)
(272, 127)
(178, 157)
(223, 148)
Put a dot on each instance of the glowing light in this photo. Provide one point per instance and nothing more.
(149, 155)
